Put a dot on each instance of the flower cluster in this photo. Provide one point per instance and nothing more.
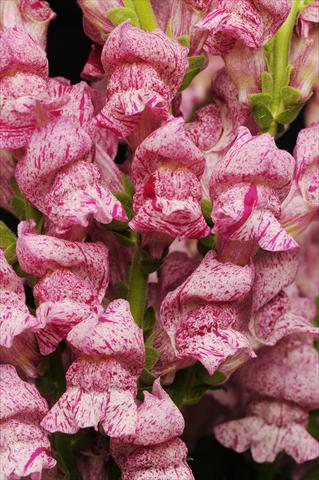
(130, 289)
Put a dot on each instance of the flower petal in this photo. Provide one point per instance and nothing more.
(113, 333)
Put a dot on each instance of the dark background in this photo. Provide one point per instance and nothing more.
(67, 50)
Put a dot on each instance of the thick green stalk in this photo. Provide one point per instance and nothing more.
(137, 289)
(280, 62)
(145, 14)
(281, 54)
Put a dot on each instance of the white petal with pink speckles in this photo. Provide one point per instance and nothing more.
(145, 70)
(39, 253)
(113, 332)
(275, 427)
(206, 334)
(251, 22)
(276, 372)
(15, 317)
(158, 419)
(24, 446)
(273, 272)
(247, 187)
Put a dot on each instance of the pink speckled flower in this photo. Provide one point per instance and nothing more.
(233, 113)
(24, 446)
(165, 171)
(153, 452)
(15, 317)
(304, 58)
(158, 419)
(96, 23)
(307, 165)
(269, 428)
(288, 371)
(207, 127)
(247, 188)
(73, 280)
(308, 19)
(251, 22)
(302, 203)
(23, 71)
(245, 66)
(33, 15)
(101, 383)
(273, 272)
(57, 173)
(145, 70)
(215, 126)
(181, 15)
(201, 315)
(177, 266)
(283, 316)
(166, 460)
(278, 311)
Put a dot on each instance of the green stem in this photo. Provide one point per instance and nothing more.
(64, 446)
(281, 54)
(281, 47)
(145, 14)
(137, 289)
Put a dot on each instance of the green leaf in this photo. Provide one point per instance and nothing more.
(119, 15)
(128, 239)
(24, 209)
(116, 226)
(194, 395)
(289, 70)
(151, 357)
(128, 4)
(184, 40)
(196, 64)
(290, 95)
(169, 29)
(128, 185)
(206, 244)
(127, 203)
(149, 319)
(149, 266)
(146, 378)
(267, 83)
(259, 99)
(217, 378)
(262, 115)
(288, 116)
(203, 377)
(206, 206)
(8, 242)
(269, 54)
(191, 383)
